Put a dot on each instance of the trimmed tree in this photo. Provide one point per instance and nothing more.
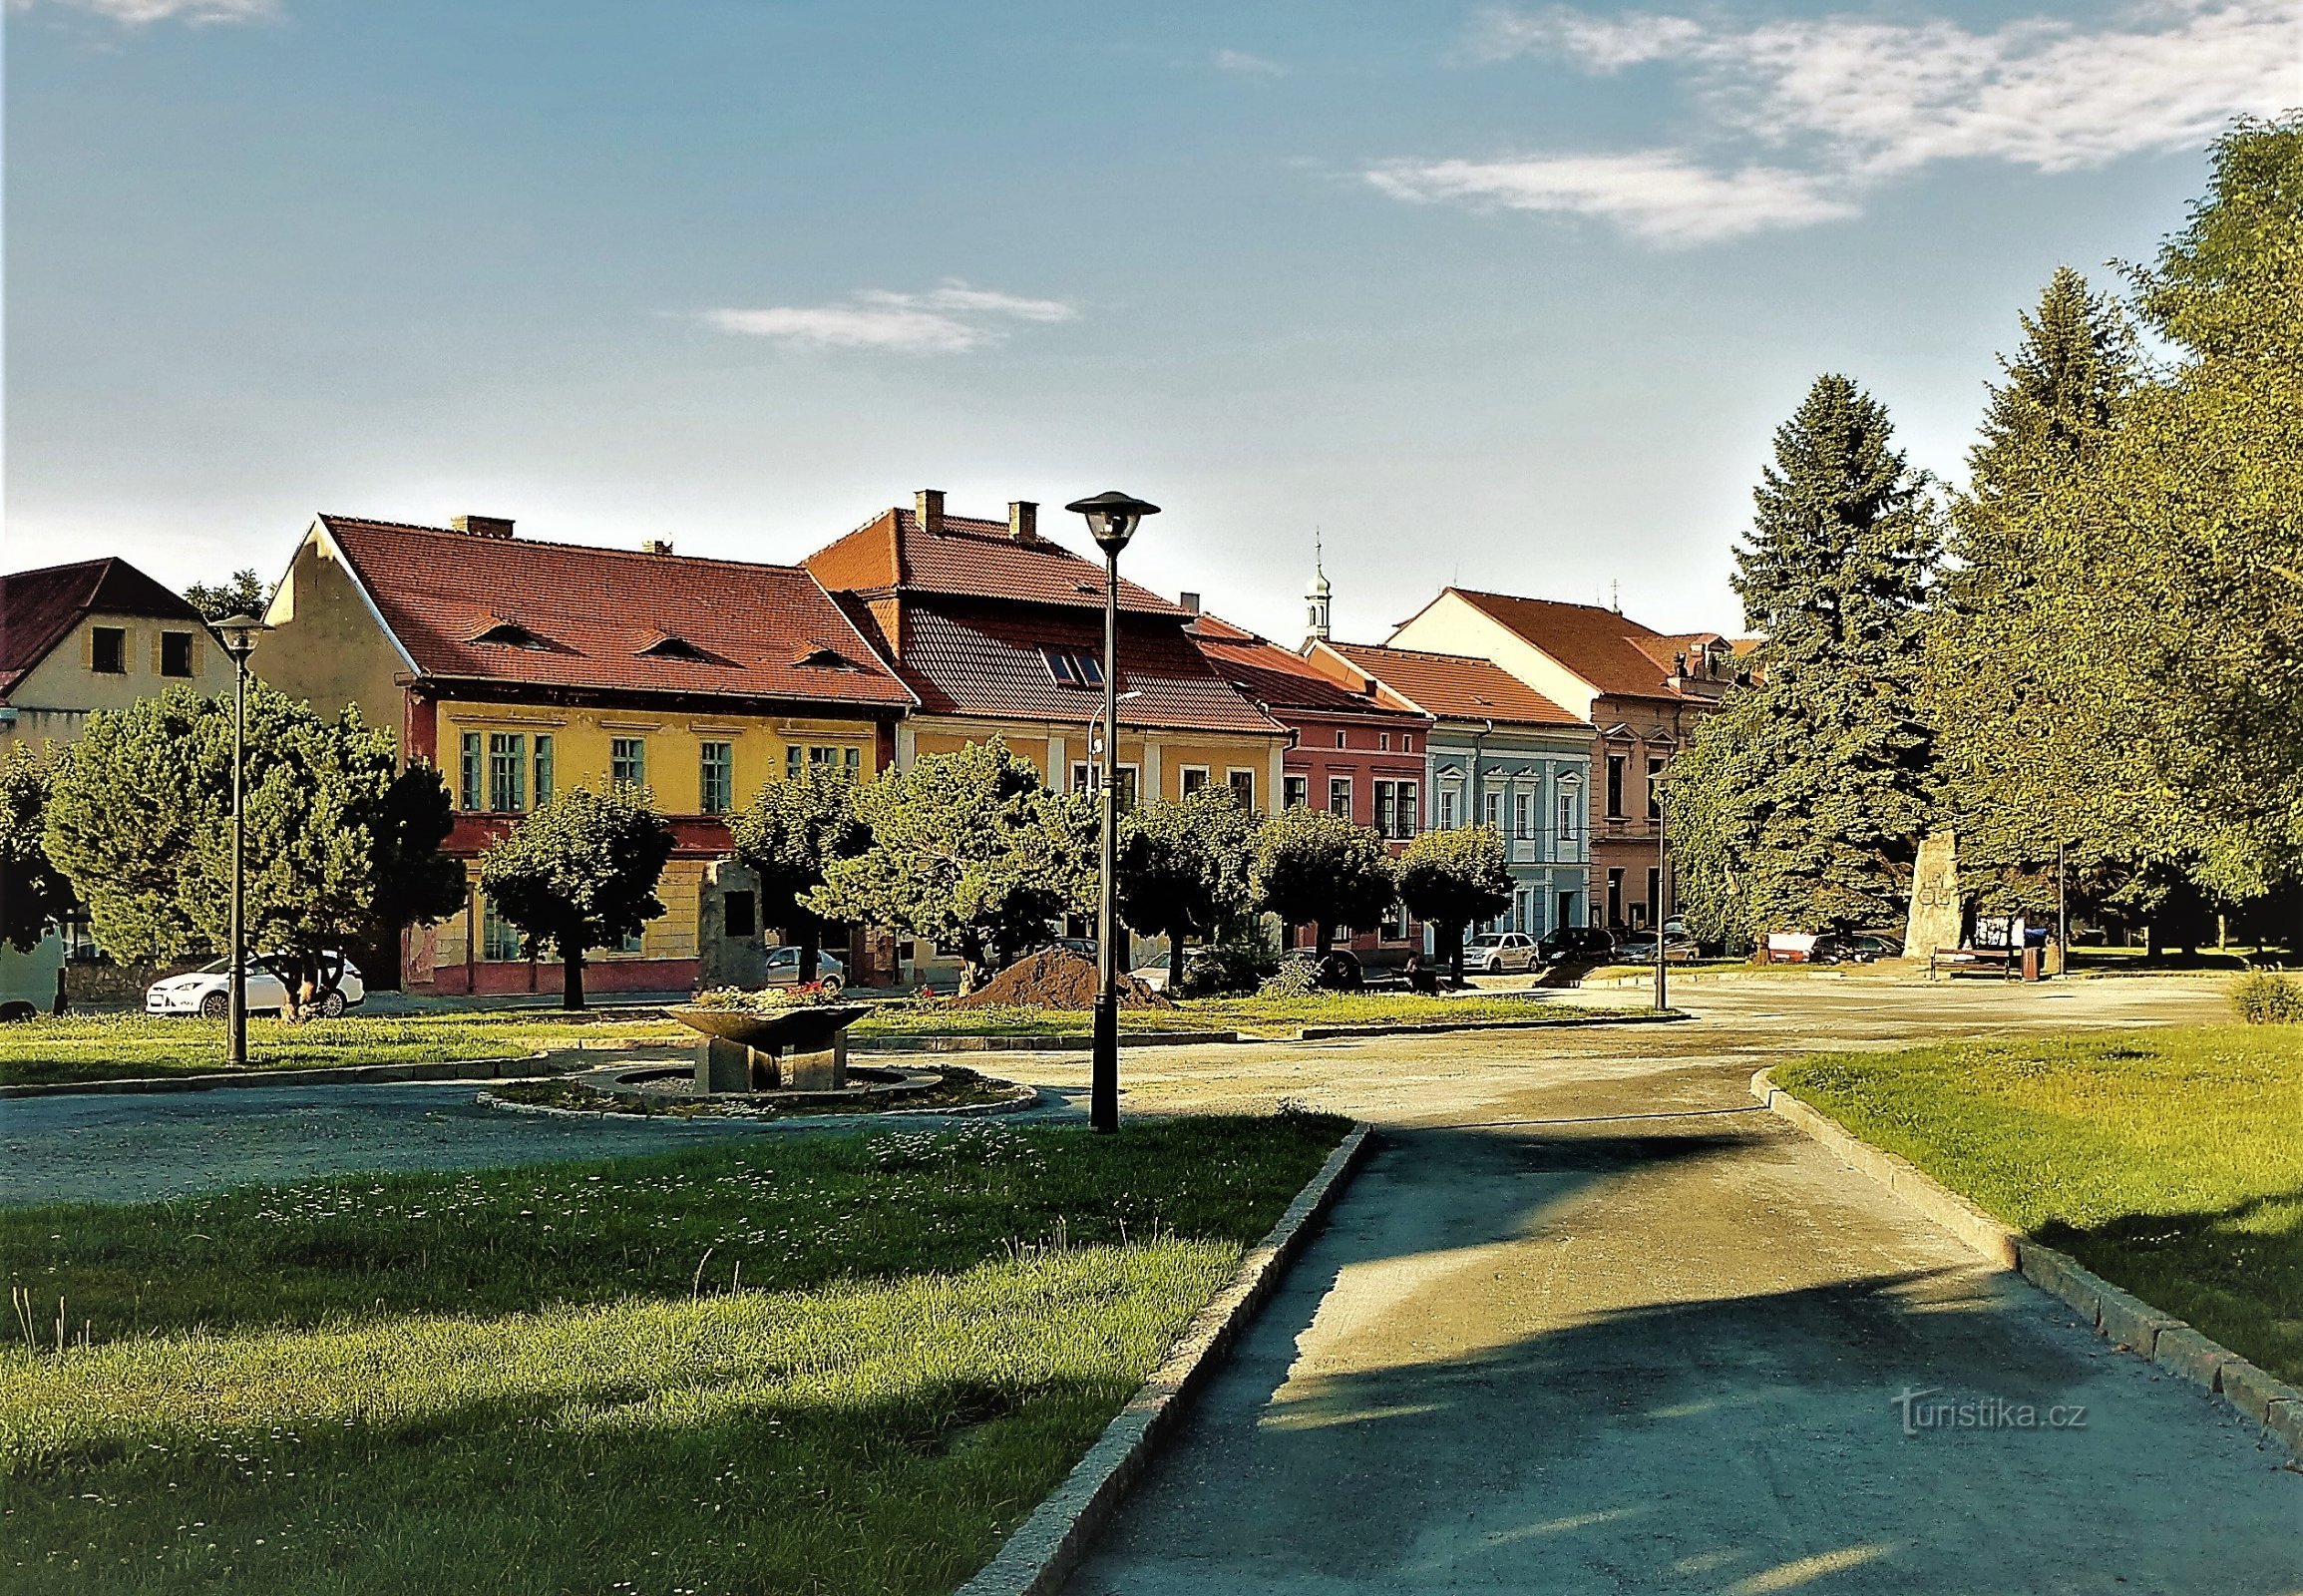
(969, 850)
(342, 844)
(33, 894)
(1451, 880)
(1183, 869)
(1312, 868)
(245, 593)
(793, 832)
(580, 873)
(1801, 801)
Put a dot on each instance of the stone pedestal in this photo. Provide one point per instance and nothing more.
(1937, 915)
(723, 1066)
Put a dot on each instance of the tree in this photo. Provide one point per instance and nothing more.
(1801, 800)
(969, 850)
(579, 873)
(246, 594)
(792, 833)
(1316, 869)
(1452, 880)
(1183, 869)
(342, 844)
(33, 894)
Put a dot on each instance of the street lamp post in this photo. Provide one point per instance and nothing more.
(239, 635)
(1663, 893)
(1112, 518)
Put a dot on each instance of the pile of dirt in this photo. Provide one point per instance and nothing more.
(1057, 978)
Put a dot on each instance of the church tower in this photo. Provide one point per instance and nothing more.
(1315, 597)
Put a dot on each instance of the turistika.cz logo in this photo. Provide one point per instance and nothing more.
(1982, 1413)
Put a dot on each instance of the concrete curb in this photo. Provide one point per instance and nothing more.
(2119, 1317)
(1443, 1028)
(1049, 1544)
(1022, 1099)
(1072, 1043)
(535, 1063)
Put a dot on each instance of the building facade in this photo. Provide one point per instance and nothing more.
(98, 634)
(1501, 755)
(517, 667)
(1642, 690)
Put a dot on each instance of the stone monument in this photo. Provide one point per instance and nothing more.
(1937, 915)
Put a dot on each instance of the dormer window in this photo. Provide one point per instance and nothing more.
(512, 635)
(670, 645)
(1073, 667)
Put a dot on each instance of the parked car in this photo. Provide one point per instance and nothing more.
(1083, 946)
(1639, 948)
(1563, 942)
(1855, 947)
(784, 968)
(1499, 951)
(207, 990)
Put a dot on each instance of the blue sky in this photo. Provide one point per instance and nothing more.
(1506, 296)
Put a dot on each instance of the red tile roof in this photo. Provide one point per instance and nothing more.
(39, 609)
(1455, 686)
(1612, 652)
(974, 658)
(1280, 678)
(970, 557)
(601, 618)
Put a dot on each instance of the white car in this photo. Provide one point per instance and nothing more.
(208, 991)
(784, 968)
(1499, 951)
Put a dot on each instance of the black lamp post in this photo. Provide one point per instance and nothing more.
(1112, 518)
(238, 633)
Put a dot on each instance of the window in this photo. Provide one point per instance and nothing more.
(1493, 818)
(634, 943)
(1383, 742)
(716, 777)
(1073, 667)
(1340, 795)
(1384, 819)
(543, 768)
(470, 785)
(1086, 778)
(507, 771)
(1614, 786)
(627, 761)
(1566, 910)
(1395, 922)
(793, 755)
(1243, 785)
(1339, 737)
(848, 759)
(1395, 808)
(1295, 792)
(499, 937)
(1570, 801)
(741, 916)
(1523, 815)
(1451, 808)
(1654, 788)
(1407, 742)
(1195, 777)
(1411, 807)
(108, 650)
(175, 653)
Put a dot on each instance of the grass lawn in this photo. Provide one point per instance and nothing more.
(794, 1365)
(1257, 1017)
(110, 1047)
(2167, 1162)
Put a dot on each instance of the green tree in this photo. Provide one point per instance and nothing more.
(580, 873)
(1801, 800)
(33, 894)
(792, 833)
(1183, 869)
(1452, 880)
(1316, 869)
(969, 850)
(245, 593)
(342, 844)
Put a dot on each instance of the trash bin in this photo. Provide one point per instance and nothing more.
(2030, 969)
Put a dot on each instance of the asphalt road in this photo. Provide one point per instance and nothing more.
(1590, 1321)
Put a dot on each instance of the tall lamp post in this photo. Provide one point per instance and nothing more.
(1663, 894)
(238, 633)
(1112, 518)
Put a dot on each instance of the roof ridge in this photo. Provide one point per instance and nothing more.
(578, 547)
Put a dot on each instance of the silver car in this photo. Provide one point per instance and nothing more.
(1500, 952)
(784, 968)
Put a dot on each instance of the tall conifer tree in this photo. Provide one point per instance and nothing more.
(1798, 804)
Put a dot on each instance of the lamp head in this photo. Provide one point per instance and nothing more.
(1112, 518)
(238, 633)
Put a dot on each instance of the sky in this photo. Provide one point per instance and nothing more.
(1505, 296)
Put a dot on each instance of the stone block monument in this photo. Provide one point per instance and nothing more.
(1938, 917)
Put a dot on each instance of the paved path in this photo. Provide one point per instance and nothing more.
(1591, 1323)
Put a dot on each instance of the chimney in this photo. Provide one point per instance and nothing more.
(927, 507)
(1191, 601)
(483, 526)
(655, 545)
(1022, 520)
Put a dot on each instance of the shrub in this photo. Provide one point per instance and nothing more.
(2266, 998)
(1237, 963)
(1296, 977)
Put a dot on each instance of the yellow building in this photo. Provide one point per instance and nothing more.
(99, 634)
(517, 666)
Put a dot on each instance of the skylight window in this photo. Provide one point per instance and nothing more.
(512, 635)
(1073, 667)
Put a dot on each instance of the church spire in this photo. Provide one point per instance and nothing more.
(1317, 596)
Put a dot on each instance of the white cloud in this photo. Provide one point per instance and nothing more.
(1242, 63)
(950, 319)
(1657, 197)
(1842, 103)
(143, 13)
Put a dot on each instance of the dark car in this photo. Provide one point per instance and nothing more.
(1855, 947)
(1592, 943)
